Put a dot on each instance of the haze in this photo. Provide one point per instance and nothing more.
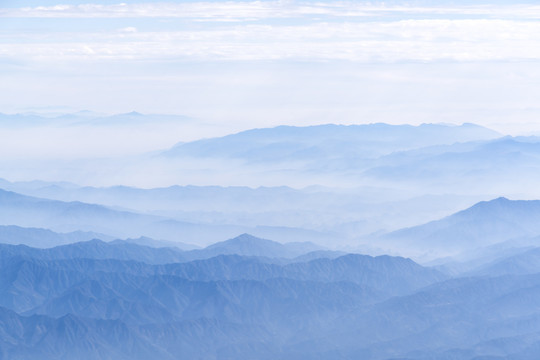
(269, 180)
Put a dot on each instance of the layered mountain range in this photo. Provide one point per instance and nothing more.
(408, 242)
(99, 300)
(261, 299)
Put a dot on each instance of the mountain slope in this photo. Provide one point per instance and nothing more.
(301, 143)
(507, 165)
(484, 224)
(207, 303)
(97, 249)
(468, 318)
(60, 216)
(44, 238)
(393, 275)
(525, 262)
(230, 306)
(245, 245)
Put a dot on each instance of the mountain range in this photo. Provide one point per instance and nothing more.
(289, 143)
(80, 301)
(57, 302)
(153, 252)
(44, 238)
(275, 212)
(375, 177)
(60, 216)
(482, 225)
(393, 242)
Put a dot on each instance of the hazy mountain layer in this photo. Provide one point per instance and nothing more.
(60, 216)
(268, 211)
(66, 302)
(153, 252)
(486, 223)
(43, 238)
(288, 143)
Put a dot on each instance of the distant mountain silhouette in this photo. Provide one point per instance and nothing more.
(61, 216)
(44, 238)
(524, 262)
(249, 245)
(155, 252)
(463, 167)
(289, 143)
(484, 224)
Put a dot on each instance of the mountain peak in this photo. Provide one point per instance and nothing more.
(502, 203)
(487, 203)
(245, 237)
(243, 240)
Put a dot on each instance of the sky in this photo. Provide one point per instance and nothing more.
(235, 65)
(262, 63)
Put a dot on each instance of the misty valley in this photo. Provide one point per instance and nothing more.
(423, 248)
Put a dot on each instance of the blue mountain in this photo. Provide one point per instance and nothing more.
(97, 300)
(526, 261)
(486, 223)
(62, 216)
(249, 245)
(467, 318)
(464, 167)
(70, 298)
(44, 238)
(289, 143)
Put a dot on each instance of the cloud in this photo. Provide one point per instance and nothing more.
(405, 40)
(278, 30)
(129, 29)
(236, 10)
(203, 10)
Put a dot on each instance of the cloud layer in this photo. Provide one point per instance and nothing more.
(276, 30)
(242, 10)
(245, 64)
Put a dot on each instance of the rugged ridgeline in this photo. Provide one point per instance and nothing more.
(131, 249)
(91, 301)
(119, 300)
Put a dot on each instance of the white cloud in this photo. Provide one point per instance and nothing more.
(326, 31)
(231, 10)
(129, 61)
(129, 29)
(416, 40)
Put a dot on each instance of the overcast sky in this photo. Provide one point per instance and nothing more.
(246, 64)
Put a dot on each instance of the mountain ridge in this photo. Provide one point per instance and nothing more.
(483, 224)
(248, 144)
